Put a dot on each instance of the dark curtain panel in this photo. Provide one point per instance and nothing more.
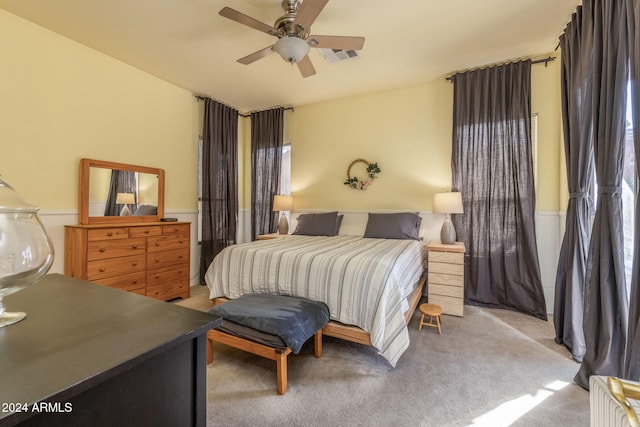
(632, 364)
(121, 182)
(568, 313)
(219, 181)
(493, 168)
(266, 156)
(606, 302)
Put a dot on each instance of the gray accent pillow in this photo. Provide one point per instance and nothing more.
(318, 224)
(146, 210)
(401, 225)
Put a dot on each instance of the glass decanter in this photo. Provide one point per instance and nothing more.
(26, 252)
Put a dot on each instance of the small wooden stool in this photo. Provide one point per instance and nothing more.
(434, 312)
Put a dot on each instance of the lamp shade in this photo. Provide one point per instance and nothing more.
(125, 199)
(291, 49)
(282, 203)
(450, 203)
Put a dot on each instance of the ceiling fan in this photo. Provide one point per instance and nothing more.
(293, 32)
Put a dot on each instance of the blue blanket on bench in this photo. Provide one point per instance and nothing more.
(293, 319)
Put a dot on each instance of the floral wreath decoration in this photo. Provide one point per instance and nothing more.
(372, 173)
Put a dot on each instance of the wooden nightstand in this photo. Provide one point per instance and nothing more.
(446, 277)
(271, 236)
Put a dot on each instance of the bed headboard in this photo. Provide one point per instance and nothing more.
(355, 222)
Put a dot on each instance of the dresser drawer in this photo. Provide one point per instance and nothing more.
(103, 249)
(108, 233)
(169, 290)
(176, 229)
(115, 266)
(446, 257)
(169, 242)
(159, 259)
(440, 267)
(176, 273)
(126, 282)
(449, 291)
(446, 279)
(147, 231)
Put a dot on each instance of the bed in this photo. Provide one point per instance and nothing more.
(370, 284)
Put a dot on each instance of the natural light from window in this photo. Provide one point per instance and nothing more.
(628, 192)
(509, 412)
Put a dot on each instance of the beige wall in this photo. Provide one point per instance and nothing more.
(61, 101)
(408, 133)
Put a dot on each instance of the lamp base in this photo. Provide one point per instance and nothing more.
(283, 225)
(448, 232)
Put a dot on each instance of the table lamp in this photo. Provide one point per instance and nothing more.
(282, 204)
(125, 199)
(447, 203)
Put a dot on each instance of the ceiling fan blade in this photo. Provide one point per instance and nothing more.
(240, 17)
(306, 67)
(307, 13)
(336, 42)
(256, 55)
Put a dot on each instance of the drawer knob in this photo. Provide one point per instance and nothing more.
(135, 264)
(181, 241)
(157, 277)
(135, 282)
(109, 234)
(135, 246)
(146, 232)
(157, 260)
(180, 256)
(157, 243)
(101, 269)
(102, 249)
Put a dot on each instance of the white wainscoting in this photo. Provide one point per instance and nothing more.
(54, 221)
(549, 229)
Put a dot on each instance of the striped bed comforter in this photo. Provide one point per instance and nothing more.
(364, 282)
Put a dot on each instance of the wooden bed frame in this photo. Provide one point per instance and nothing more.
(354, 333)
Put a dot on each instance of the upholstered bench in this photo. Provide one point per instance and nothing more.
(271, 326)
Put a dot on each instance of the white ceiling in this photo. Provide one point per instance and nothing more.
(187, 43)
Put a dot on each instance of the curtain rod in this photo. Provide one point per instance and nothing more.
(537, 61)
(202, 98)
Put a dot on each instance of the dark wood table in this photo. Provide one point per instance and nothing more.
(91, 355)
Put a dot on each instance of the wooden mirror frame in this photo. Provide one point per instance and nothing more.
(83, 199)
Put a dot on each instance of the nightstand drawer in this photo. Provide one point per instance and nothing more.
(456, 280)
(444, 290)
(446, 257)
(439, 267)
(450, 305)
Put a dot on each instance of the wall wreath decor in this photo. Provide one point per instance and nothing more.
(372, 173)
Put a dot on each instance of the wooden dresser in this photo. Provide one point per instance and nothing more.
(150, 258)
(446, 277)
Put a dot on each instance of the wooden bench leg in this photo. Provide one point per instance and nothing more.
(317, 342)
(282, 372)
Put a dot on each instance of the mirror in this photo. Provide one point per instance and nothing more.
(119, 193)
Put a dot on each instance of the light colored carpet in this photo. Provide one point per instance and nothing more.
(490, 368)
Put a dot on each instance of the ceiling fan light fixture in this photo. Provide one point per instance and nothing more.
(292, 49)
